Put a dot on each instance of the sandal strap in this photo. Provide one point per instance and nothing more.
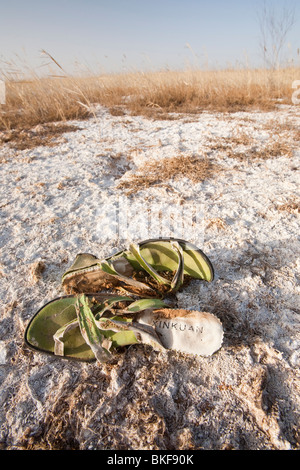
(103, 307)
(135, 250)
(90, 332)
(177, 280)
(146, 333)
(59, 346)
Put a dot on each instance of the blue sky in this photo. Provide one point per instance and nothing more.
(128, 35)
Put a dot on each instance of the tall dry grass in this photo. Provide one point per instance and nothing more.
(40, 100)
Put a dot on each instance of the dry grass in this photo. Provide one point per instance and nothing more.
(42, 100)
(281, 143)
(227, 143)
(216, 223)
(39, 101)
(36, 271)
(155, 172)
(45, 134)
(273, 150)
(292, 206)
(283, 129)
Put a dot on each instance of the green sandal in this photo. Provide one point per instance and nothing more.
(89, 328)
(149, 268)
(86, 327)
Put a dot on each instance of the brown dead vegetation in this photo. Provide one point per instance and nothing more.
(286, 129)
(228, 145)
(28, 138)
(292, 206)
(216, 223)
(154, 173)
(156, 95)
(273, 150)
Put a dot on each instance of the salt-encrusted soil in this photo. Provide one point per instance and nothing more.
(60, 200)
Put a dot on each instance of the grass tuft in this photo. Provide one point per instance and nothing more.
(155, 172)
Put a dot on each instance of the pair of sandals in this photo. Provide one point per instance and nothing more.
(119, 301)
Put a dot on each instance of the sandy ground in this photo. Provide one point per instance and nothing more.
(60, 200)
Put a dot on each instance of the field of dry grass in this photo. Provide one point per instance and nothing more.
(42, 100)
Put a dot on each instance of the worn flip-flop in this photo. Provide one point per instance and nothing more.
(89, 328)
(149, 268)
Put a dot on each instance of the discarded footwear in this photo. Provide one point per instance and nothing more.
(86, 328)
(149, 268)
(93, 327)
(191, 332)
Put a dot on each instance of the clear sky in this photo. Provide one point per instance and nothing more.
(129, 35)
